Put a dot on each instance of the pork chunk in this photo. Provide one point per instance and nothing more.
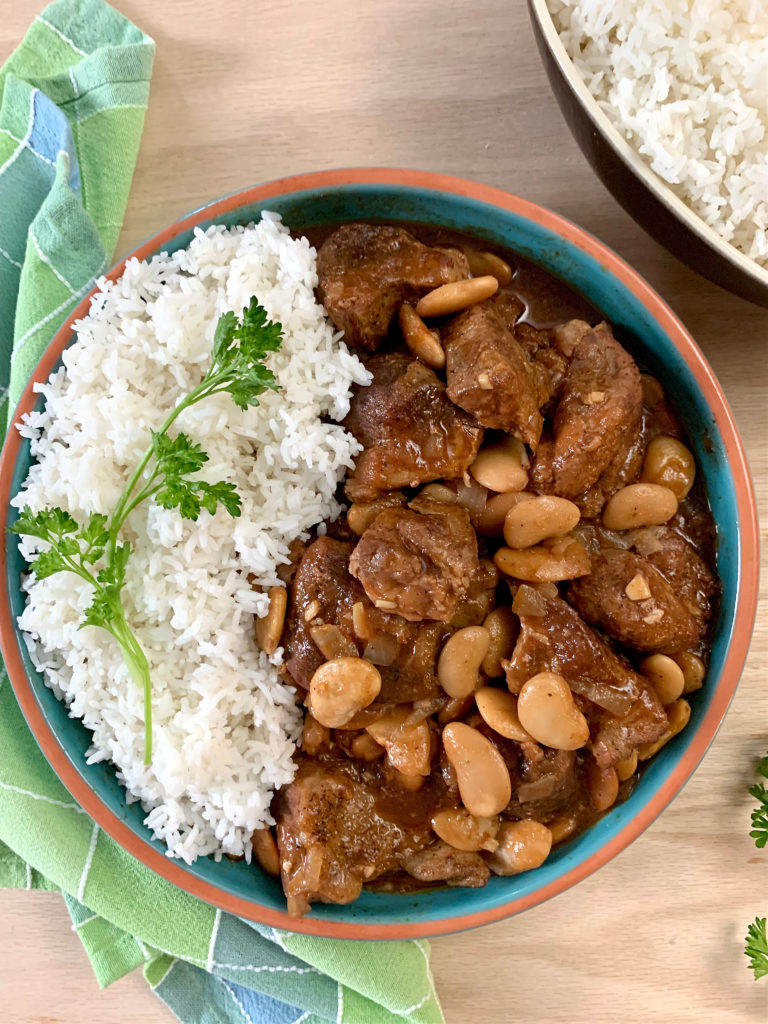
(694, 583)
(489, 374)
(366, 271)
(418, 564)
(544, 786)
(442, 863)
(597, 420)
(322, 592)
(324, 589)
(622, 709)
(631, 600)
(410, 431)
(333, 832)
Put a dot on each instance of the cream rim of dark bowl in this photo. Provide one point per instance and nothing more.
(631, 157)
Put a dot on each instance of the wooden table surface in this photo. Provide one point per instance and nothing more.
(244, 92)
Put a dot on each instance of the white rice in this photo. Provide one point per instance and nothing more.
(225, 727)
(686, 83)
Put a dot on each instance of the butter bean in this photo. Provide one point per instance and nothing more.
(639, 505)
(269, 629)
(490, 522)
(483, 263)
(503, 627)
(545, 516)
(460, 659)
(342, 687)
(523, 845)
(559, 558)
(626, 769)
(424, 343)
(694, 670)
(665, 675)
(408, 744)
(499, 710)
(483, 777)
(678, 714)
(670, 463)
(458, 295)
(502, 466)
(463, 831)
(547, 711)
(265, 848)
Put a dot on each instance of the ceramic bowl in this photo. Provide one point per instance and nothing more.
(649, 328)
(644, 195)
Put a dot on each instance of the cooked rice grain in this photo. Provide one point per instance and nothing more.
(686, 83)
(225, 727)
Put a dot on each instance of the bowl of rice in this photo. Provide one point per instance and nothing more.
(669, 104)
(225, 722)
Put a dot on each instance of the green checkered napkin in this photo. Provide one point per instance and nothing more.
(73, 100)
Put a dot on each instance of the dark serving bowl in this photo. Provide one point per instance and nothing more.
(644, 195)
(650, 329)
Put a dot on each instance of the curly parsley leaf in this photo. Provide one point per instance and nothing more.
(240, 347)
(51, 524)
(759, 830)
(48, 563)
(177, 456)
(756, 947)
(94, 537)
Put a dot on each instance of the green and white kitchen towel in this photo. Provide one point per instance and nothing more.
(74, 96)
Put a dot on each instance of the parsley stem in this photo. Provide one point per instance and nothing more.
(124, 506)
(138, 665)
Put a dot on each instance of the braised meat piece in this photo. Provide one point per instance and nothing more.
(489, 375)
(335, 831)
(366, 271)
(544, 786)
(480, 598)
(621, 708)
(324, 589)
(410, 431)
(694, 583)
(322, 856)
(632, 601)
(322, 592)
(615, 738)
(418, 564)
(442, 863)
(598, 417)
(548, 364)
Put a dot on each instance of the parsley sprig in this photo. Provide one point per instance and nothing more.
(756, 947)
(760, 814)
(166, 472)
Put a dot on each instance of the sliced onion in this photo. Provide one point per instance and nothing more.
(473, 496)
(331, 642)
(607, 697)
(381, 650)
(646, 542)
(529, 601)
(539, 789)
(424, 709)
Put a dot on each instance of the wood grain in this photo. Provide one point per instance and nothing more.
(244, 92)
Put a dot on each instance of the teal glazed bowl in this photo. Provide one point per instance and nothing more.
(650, 329)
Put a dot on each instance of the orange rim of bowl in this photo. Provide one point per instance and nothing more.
(743, 619)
